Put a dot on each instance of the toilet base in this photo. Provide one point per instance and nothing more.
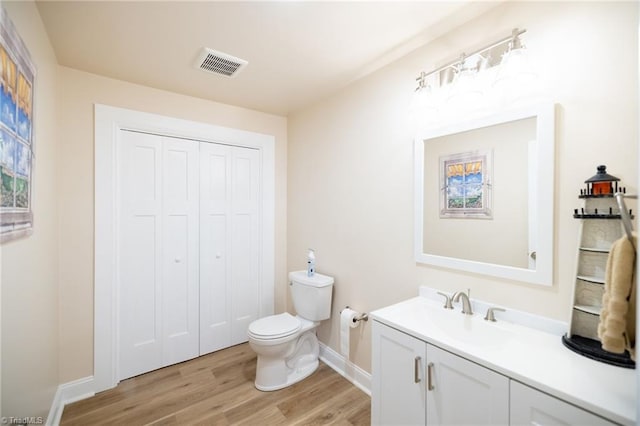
(293, 377)
(275, 372)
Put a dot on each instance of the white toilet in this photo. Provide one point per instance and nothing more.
(287, 346)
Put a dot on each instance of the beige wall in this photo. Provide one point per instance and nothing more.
(350, 166)
(30, 265)
(79, 92)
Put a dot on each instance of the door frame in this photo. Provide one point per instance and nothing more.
(109, 121)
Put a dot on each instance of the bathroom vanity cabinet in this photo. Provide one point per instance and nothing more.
(530, 406)
(418, 383)
(432, 366)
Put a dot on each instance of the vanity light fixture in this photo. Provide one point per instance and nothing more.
(462, 82)
(481, 59)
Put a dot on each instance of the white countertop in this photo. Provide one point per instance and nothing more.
(533, 356)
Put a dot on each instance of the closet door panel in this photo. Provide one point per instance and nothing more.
(188, 248)
(176, 277)
(245, 292)
(180, 200)
(215, 258)
(244, 241)
(139, 265)
(214, 293)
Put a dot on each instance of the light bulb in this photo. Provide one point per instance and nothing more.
(515, 74)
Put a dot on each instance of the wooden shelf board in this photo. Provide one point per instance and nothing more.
(596, 280)
(594, 310)
(594, 250)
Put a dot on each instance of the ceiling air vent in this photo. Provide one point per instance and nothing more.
(219, 63)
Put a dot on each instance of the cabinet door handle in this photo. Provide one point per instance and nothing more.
(416, 369)
(430, 376)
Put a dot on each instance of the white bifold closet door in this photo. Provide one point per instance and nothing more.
(189, 252)
(229, 242)
(159, 240)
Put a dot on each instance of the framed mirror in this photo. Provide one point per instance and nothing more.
(484, 195)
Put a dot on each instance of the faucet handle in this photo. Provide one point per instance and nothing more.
(490, 316)
(447, 301)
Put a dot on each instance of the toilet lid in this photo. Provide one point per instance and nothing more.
(275, 326)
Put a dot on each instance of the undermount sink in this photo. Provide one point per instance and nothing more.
(471, 329)
(451, 324)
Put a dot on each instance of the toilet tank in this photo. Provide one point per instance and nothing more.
(311, 295)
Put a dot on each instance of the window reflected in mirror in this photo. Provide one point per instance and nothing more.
(484, 195)
(485, 215)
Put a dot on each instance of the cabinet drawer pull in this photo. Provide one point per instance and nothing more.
(416, 370)
(430, 376)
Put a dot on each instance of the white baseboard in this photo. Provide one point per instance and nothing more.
(68, 393)
(346, 368)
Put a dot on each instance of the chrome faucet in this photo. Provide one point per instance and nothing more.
(466, 304)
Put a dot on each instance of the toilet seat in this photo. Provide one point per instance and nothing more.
(274, 327)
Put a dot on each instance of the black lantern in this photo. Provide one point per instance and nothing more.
(602, 183)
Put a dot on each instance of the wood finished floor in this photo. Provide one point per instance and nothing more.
(217, 389)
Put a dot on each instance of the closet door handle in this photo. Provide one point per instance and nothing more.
(416, 369)
(430, 377)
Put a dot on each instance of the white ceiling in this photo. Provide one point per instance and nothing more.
(298, 51)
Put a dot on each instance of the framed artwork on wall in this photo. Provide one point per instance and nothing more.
(17, 76)
(465, 185)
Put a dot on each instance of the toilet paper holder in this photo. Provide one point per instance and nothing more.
(363, 316)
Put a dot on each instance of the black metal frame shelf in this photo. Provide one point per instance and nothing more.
(595, 196)
(597, 216)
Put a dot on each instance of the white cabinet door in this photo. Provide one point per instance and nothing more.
(398, 378)
(463, 392)
(158, 246)
(229, 245)
(414, 383)
(532, 407)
